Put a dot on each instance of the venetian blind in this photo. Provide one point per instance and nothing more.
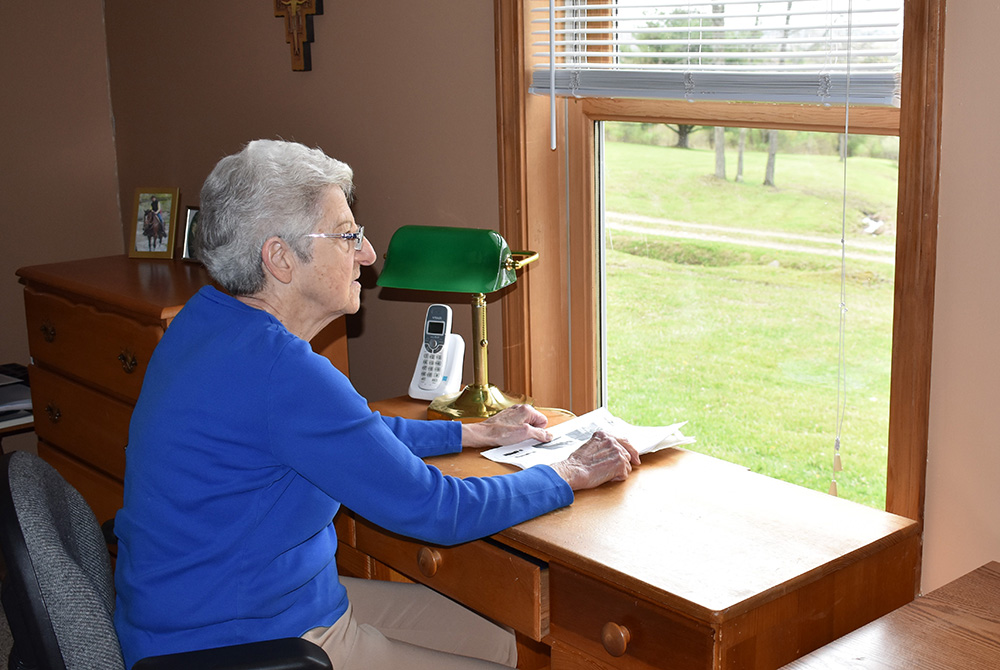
(802, 51)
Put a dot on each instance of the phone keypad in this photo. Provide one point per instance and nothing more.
(430, 369)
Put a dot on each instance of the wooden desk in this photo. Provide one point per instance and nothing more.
(691, 563)
(956, 626)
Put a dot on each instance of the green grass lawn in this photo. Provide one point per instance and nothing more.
(742, 342)
(679, 184)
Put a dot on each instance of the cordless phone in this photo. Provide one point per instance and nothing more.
(439, 364)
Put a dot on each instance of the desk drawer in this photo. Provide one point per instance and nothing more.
(505, 586)
(106, 349)
(80, 421)
(619, 630)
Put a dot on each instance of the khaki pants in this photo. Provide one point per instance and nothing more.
(396, 626)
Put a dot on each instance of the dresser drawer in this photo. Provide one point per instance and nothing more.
(105, 349)
(619, 630)
(505, 586)
(89, 425)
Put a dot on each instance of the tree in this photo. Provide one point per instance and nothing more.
(739, 155)
(772, 152)
(720, 152)
(683, 131)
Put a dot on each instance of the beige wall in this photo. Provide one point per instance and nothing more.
(191, 81)
(963, 472)
(58, 187)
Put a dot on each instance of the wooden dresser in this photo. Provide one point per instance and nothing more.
(92, 327)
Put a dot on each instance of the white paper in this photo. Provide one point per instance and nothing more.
(7, 379)
(568, 436)
(14, 396)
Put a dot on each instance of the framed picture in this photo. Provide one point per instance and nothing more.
(187, 252)
(154, 220)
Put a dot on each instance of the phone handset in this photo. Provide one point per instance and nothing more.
(439, 364)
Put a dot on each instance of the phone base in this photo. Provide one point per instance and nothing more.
(475, 401)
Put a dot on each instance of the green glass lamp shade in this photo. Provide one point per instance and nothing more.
(440, 258)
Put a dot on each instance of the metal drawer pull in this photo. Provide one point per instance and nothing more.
(128, 361)
(428, 560)
(615, 638)
(53, 413)
(48, 332)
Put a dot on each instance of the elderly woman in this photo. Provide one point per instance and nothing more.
(244, 444)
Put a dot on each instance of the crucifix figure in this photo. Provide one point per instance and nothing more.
(298, 27)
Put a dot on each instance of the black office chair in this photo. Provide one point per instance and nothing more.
(58, 592)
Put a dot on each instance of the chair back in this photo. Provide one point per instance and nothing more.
(58, 592)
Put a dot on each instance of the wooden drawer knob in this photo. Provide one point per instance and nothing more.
(48, 332)
(615, 638)
(428, 560)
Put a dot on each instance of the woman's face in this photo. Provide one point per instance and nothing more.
(331, 282)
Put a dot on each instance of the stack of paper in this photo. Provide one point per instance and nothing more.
(15, 402)
(567, 437)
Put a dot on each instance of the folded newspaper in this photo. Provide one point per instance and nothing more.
(568, 436)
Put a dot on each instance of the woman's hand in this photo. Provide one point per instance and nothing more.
(512, 425)
(602, 458)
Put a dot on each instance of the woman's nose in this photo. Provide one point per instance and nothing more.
(366, 254)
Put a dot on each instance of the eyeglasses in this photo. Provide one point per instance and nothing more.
(358, 236)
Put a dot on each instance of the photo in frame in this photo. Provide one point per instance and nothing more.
(188, 252)
(154, 220)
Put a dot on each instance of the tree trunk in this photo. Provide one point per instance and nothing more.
(739, 155)
(720, 152)
(772, 152)
(683, 131)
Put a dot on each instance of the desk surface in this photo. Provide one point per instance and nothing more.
(956, 626)
(705, 537)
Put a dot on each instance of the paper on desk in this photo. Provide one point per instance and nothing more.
(569, 435)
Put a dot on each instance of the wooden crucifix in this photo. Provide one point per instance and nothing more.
(298, 28)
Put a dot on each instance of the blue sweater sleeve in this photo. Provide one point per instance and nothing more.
(426, 438)
(323, 429)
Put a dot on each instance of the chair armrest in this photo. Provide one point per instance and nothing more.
(290, 653)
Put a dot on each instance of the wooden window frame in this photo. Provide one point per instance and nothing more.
(550, 344)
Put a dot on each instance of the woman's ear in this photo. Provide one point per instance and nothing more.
(278, 259)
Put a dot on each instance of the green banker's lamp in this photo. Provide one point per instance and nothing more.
(458, 260)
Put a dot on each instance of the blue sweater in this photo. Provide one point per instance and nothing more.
(242, 447)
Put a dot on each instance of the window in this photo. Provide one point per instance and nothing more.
(722, 283)
(548, 203)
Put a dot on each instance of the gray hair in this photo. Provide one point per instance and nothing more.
(270, 188)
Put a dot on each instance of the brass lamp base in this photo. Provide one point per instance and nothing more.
(475, 401)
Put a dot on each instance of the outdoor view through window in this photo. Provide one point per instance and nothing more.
(724, 292)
